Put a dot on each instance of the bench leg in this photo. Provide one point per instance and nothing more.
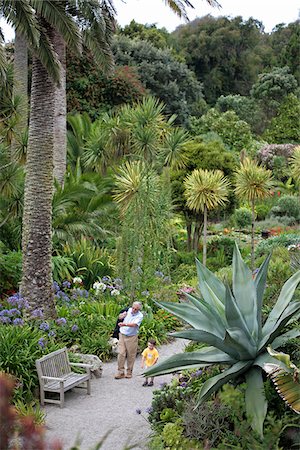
(42, 395)
(88, 387)
(61, 395)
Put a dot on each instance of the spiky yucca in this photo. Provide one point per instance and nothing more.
(229, 321)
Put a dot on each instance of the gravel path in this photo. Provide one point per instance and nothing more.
(111, 408)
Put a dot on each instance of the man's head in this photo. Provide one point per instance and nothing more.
(136, 307)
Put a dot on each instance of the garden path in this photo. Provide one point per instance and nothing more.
(111, 408)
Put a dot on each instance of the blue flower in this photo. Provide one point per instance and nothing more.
(66, 284)
(4, 319)
(106, 278)
(4, 312)
(61, 321)
(198, 373)
(51, 334)
(74, 328)
(159, 274)
(44, 326)
(56, 286)
(37, 313)
(13, 312)
(18, 321)
(183, 384)
(42, 342)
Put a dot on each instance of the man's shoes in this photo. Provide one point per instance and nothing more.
(151, 383)
(119, 376)
(145, 383)
(128, 375)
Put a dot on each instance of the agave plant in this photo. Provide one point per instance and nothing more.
(229, 321)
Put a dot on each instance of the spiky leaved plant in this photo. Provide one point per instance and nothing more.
(229, 321)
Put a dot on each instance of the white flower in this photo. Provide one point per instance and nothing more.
(99, 286)
(77, 280)
(115, 292)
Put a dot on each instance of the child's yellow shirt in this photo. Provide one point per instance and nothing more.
(150, 356)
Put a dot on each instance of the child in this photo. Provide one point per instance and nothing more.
(149, 358)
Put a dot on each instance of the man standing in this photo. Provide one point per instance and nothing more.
(128, 339)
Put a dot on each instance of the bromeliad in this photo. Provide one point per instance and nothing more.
(229, 321)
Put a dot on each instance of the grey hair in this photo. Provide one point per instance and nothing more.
(139, 304)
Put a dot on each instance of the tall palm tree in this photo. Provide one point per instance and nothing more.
(36, 284)
(253, 183)
(205, 190)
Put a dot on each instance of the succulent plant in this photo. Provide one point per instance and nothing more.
(229, 321)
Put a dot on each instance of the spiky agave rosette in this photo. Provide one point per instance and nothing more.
(229, 321)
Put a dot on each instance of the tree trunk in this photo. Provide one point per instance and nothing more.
(197, 233)
(189, 232)
(60, 127)
(36, 284)
(204, 235)
(252, 236)
(20, 88)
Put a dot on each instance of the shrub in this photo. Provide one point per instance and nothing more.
(20, 346)
(288, 205)
(221, 243)
(262, 211)
(10, 270)
(243, 217)
(283, 240)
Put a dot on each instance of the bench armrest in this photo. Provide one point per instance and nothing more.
(87, 366)
(52, 378)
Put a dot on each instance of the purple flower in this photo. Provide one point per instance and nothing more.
(18, 321)
(56, 286)
(106, 278)
(13, 312)
(3, 312)
(75, 312)
(51, 334)
(44, 326)
(4, 319)
(138, 411)
(37, 313)
(61, 321)
(198, 373)
(42, 342)
(74, 328)
(183, 384)
(66, 284)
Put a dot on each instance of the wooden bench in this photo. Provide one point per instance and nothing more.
(55, 375)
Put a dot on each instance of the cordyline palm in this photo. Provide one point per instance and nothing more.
(253, 183)
(229, 321)
(205, 190)
(295, 165)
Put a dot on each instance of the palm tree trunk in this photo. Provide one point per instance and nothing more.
(20, 88)
(189, 232)
(36, 284)
(204, 235)
(197, 233)
(252, 236)
(60, 128)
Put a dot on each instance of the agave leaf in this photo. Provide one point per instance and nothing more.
(184, 311)
(207, 278)
(256, 403)
(260, 283)
(244, 291)
(214, 383)
(191, 360)
(234, 316)
(237, 339)
(284, 299)
(202, 318)
(282, 339)
(207, 338)
(289, 312)
(211, 298)
(265, 358)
